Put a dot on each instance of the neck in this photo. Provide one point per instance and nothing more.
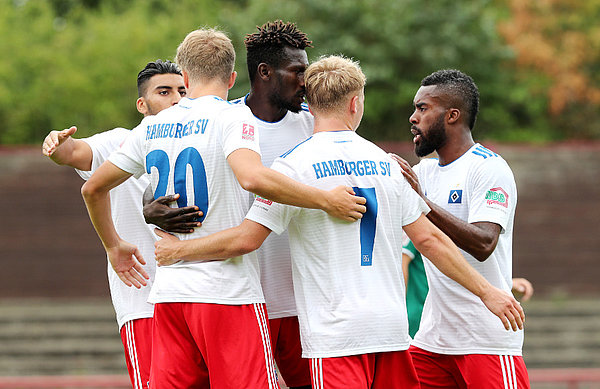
(264, 109)
(213, 88)
(331, 123)
(456, 145)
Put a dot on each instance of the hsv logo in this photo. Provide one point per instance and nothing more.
(497, 196)
(455, 196)
(248, 132)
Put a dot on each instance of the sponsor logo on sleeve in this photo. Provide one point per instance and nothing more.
(497, 196)
(455, 196)
(263, 200)
(248, 132)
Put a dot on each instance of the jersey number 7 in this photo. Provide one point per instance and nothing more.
(368, 225)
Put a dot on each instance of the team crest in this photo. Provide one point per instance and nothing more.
(497, 196)
(248, 132)
(455, 196)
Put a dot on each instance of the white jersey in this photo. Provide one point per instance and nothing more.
(126, 208)
(477, 187)
(274, 255)
(347, 276)
(185, 150)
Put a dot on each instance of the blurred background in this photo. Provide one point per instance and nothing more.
(75, 62)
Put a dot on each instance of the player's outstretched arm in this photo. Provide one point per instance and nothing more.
(339, 202)
(124, 257)
(229, 243)
(478, 239)
(64, 150)
(159, 213)
(444, 254)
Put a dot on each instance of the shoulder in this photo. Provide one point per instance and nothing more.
(297, 150)
(485, 160)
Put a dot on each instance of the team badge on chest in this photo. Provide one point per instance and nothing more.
(455, 196)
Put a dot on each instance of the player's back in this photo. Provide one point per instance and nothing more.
(352, 271)
(185, 149)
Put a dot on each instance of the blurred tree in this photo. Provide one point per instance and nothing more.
(560, 39)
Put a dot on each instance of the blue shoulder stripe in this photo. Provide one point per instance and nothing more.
(293, 148)
(305, 107)
(481, 154)
(487, 151)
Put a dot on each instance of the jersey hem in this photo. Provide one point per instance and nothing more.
(488, 351)
(358, 351)
(136, 316)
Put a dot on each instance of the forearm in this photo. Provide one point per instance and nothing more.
(275, 186)
(219, 246)
(98, 206)
(74, 153)
(474, 240)
(447, 258)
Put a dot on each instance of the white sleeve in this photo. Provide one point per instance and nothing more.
(240, 130)
(493, 194)
(413, 206)
(274, 216)
(102, 145)
(131, 155)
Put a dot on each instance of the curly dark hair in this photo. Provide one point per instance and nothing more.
(460, 90)
(153, 68)
(267, 45)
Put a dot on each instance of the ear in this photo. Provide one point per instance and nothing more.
(354, 104)
(231, 80)
(264, 71)
(141, 106)
(186, 79)
(453, 115)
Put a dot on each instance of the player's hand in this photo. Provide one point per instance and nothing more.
(503, 305)
(127, 262)
(344, 205)
(522, 287)
(165, 250)
(56, 138)
(182, 220)
(408, 173)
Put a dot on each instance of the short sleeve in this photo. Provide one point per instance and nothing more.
(240, 130)
(102, 145)
(130, 157)
(493, 196)
(270, 214)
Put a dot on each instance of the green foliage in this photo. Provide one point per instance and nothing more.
(74, 62)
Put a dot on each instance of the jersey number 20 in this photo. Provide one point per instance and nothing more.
(189, 156)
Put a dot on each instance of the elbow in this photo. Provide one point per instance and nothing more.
(483, 248)
(247, 245)
(251, 183)
(89, 191)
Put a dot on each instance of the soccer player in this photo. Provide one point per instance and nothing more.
(347, 276)
(210, 326)
(276, 59)
(160, 85)
(472, 195)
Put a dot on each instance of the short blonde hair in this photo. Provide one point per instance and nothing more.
(206, 54)
(330, 80)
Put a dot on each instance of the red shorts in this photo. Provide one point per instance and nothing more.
(287, 350)
(471, 371)
(211, 346)
(136, 336)
(388, 370)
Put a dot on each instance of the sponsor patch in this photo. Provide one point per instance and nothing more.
(248, 132)
(455, 196)
(263, 200)
(497, 196)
